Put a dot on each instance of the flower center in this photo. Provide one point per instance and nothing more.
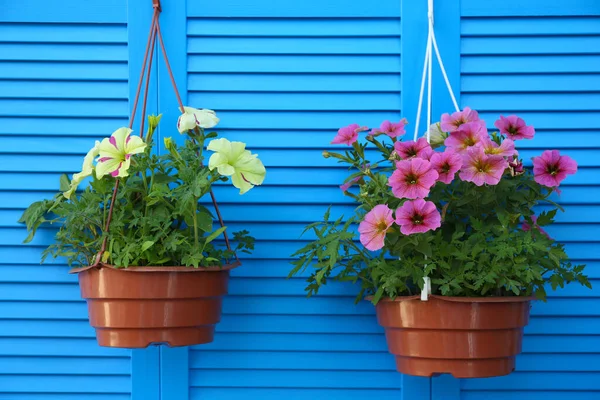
(445, 168)
(469, 141)
(412, 179)
(382, 226)
(411, 152)
(553, 169)
(417, 219)
(482, 166)
(459, 122)
(513, 130)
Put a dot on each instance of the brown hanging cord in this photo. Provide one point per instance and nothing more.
(148, 58)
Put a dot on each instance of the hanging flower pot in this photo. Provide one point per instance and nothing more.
(148, 262)
(468, 337)
(456, 224)
(138, 306)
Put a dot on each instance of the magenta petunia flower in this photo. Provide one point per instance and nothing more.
(526, 227)
(348, 134)
(446, 164)
(344, 187)
(514, 127)
(469, 135)
(451, 123)
(506, 149)
(392, 129)
(412, 178)
(550, 169)
(418, 216)
(373, 228)
(410, 149)
(481, 168)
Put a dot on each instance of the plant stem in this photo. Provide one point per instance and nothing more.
(194, 209)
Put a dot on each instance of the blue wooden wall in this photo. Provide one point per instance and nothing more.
(283, 76)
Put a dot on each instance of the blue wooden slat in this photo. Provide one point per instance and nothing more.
(63, 90)
(291, 378)
(527, 395)
(388, 82)
(521, 102)
(229, 393)
(523, 83)
(294, 27)
(309, 8)
(310, 46)
(475, 8)
(17, 365)
(297, 101)
(304, 360)
(548, 26)
(538, 64)
(62, 33)
(322, 63)
(537, 380)
(58, 347)
(62, 108)
(65, 11)
(65, 396)
(530, 45)
(53, 70)
(63, 52)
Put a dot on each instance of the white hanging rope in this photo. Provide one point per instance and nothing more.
(427, 73)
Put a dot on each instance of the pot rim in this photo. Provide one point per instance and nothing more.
(456, 299)
(225, 267)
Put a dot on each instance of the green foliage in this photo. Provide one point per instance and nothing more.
(480, 250)
(157, 218)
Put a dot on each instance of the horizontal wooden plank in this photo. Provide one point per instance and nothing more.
(63, 108)
(569, 120)
(293, 27)
(286, 9)
(547, 83)
(21, 89)
(297, 360)
(63, 71)
(296, 46)
(59, 347)
(527, 395)
(65, 384)
(562, 45)
(232, 393)
(63, 52)
(476, 8)
(520, 102)
(537, 380)
(531, 64)
(65, 396)
(322, 63)
(63, 33)
(266, 100)
(297, 379)
(62, 126)
(66, 11)
(72, 366)
(276, 82)
(548, 26)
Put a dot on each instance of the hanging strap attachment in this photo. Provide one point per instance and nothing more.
(145, 73)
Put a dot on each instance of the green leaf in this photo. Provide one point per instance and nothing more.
(64, 183)
(205, 221)
(146, 245)
(214, 235)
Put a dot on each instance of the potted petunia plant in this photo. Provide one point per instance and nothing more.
(143, 244)
(451, 243)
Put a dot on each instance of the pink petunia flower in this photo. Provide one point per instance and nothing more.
(451, 123)
(410, 149)
(392, 129)
(481, 168)
(412, 178)
(506, 149)
(469, 135)
(514, 127)
(348, 134)
(526, 227)
(374, 227)
(446, 164)
(550, 169)
(418, 216)
(344, 187)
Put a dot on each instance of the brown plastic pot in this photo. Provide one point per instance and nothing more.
(465, 337)
(138, 306)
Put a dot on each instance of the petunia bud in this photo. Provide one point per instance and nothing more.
(326, 154)
(436, 135)
(153, 121)
(169, 144)
(516, 167)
